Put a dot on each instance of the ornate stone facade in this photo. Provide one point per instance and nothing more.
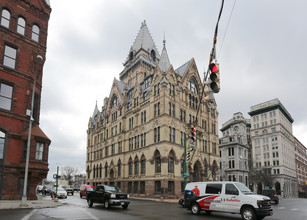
(136, 139)
(235, 149)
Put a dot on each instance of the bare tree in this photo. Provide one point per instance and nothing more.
(69, 173)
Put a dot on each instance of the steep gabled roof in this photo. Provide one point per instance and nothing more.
(144, 40)
(181, 70)
(164, 62)
(122, 85)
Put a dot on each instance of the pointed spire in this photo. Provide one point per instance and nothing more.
(164, 62)
(144, 41)
(95, 110)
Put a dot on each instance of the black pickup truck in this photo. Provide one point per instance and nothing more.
(109, 196)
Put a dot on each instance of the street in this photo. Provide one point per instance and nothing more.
(77, 208)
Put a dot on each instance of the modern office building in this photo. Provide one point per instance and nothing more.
(136, 139)
(23, 37)
(273, 152)
(235, 149)
(301, 167)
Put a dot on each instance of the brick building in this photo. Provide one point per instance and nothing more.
(23, 36)
(136, 139)
(301, 167)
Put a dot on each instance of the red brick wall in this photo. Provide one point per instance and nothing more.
(15, 123)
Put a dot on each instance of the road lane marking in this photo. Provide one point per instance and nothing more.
(281, 207)
(27, 217)
(294, 209)
(90, 214)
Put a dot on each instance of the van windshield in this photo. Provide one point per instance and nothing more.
(243, 189)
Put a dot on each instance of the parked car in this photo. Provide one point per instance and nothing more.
(84, 189)
(60, 193)
(39, 189)
(272, 194)
(109, 196)
(229, 197)
(47, 190)
(76, 189)
(68, 189)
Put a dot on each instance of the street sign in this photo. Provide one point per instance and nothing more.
(56, 176)
(186, 175)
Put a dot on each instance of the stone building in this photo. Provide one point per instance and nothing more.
(136, 139)
(301, 167)
(273, 148)
(235, 149)
(23, 36)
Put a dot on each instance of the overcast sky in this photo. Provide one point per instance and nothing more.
(262, 56)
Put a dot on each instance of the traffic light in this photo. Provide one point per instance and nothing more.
(214, 78)
(193, 136)
(188, 155)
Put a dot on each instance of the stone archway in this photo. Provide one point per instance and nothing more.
(112, 177)
(197, 171)
(277, 188)
(259, 188)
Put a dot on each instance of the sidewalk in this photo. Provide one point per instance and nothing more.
(41, 202)
(156, 199)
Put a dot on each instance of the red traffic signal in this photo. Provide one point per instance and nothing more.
(213, 68)
(193, 135)
(214, 78)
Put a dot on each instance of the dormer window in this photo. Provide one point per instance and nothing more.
(146, 83)
(153, 55)
(131, 56)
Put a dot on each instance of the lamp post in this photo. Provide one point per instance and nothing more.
(39, 59)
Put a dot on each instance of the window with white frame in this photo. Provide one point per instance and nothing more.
(6, 94)
(39, 152)
(5, 18)
(9, 58)
(35, 33)
(21, 26)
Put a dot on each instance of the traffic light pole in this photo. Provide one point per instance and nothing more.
(56, 184)
(185, 160)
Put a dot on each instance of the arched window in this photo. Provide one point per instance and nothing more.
(131, 56)
(114, 101)
(100, 171)
(265, 131)
(88, 172)
(35, 33)
(171, 165)
(130, 168)
(182, 166)
(158, 164)
(192, 86)
(2, 141)
(143, 166)
(5, 18)
(21, 26)
(153, 55)
(136, 168)
(119, 168)
(206, 169)
(106, 170)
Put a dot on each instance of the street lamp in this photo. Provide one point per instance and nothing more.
(39, 59)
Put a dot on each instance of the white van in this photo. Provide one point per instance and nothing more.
(232, 197)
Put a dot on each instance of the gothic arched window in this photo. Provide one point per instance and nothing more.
(193, 86)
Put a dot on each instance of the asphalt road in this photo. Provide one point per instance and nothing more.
(77, 209)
